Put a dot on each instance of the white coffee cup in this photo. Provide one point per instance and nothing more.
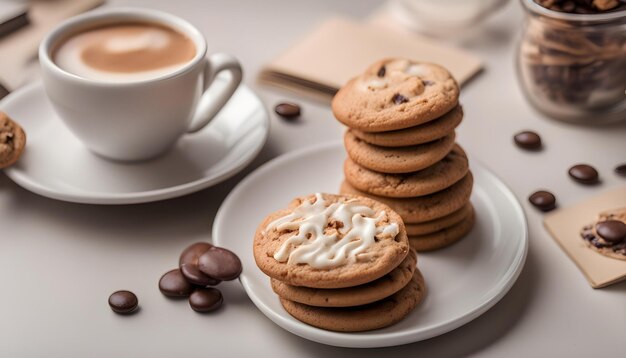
(140, 119)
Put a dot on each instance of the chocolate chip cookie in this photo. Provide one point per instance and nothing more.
(375, 315)
(419, 134)
(452, 168)
(397, 160)
(363, 294)
(396, 94)
(12, 141)
(423, 208)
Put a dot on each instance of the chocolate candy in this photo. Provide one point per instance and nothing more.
(528, 140)
(543, 200)
(613, 231)
(123, 302)
(287, 110)
(220, 263)
(188, 264)
(174, 284)
(381, 72)
(399, 99)
(205, 299)
(621, 170)
(584, 174)
(582, 6)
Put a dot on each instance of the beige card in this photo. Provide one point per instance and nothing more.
(340, 49)
(565, 225)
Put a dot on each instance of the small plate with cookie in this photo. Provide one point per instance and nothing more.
(57, 165)
(339, 291)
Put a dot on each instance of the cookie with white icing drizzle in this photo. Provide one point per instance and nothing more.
(330, 241)
(395, 94)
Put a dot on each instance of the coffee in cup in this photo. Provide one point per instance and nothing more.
(124, 52)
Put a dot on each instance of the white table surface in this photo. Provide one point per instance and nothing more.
(59, 262)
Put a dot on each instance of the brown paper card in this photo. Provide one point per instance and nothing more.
(565, 225)
(20, 48)
(340, 49)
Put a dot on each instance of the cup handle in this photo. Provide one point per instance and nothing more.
(209, 107)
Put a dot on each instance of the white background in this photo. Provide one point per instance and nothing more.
(60, 261)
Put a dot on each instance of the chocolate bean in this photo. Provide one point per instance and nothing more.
(123, 302)
(621, 170)
(174, 284)
(287, 110)
(381, 72)
(188, 264)
(584, 174)
(613, 231)
(205, 299)
(220, 263)
(528, 140)
(543, 200)
(399, 99)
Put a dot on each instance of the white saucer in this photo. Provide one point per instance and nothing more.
(55, 164)
(463, 281)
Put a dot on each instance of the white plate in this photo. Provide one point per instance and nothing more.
(463, 281)
(55, 164)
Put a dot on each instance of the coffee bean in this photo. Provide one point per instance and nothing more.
(220, 263)
(287, 110)
(543, 200)
(123, 302)
(205, 299)
(381, 72)
(621, 170)
(584, 174)
(399, 99)
(528, 140)
(611, 230)
(174, 284)
(188, 264)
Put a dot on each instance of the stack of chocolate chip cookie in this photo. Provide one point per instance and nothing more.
(341, 263)
(401, 148)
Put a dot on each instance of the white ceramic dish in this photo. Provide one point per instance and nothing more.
(56, 165)
(463, 281)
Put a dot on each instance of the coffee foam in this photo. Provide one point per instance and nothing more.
(124, 52)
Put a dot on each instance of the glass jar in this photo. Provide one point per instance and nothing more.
(573, 66)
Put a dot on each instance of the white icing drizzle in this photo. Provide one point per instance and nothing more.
(311, 245)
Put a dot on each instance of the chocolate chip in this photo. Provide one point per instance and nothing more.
(287, 110)
(543, 200)
(427, 83)
(188, 264)
(220, 263)
(174, 284)
(621, 170)
(205, 299)
(381, 72)
(528, 140)
(613, 231)
(399, 99)
(123, 302)
(584, 174)
(3, 92)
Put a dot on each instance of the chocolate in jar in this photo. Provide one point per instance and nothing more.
(572, 56)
